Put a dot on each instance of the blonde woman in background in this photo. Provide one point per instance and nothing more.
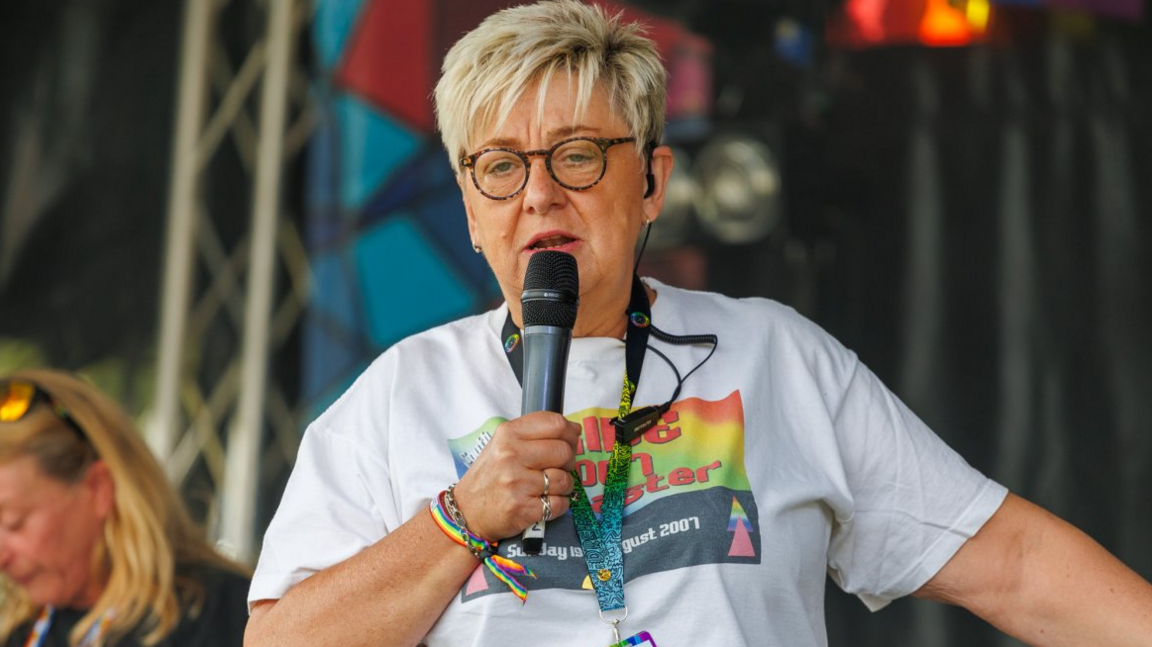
(96, 548)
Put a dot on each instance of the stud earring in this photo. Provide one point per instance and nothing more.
(477, 249)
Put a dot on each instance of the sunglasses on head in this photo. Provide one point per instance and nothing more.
(18, 397)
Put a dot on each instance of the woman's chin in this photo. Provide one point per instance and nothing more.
(40, 596)
(44, 594)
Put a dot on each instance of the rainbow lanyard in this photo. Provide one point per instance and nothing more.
(44, 623)
(600, 539)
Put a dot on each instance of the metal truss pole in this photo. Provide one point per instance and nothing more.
(214, 405)
(244, 438)
(182, 215)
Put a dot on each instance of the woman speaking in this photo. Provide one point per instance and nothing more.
(717, 458)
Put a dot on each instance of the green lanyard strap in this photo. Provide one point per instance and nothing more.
(600, 539)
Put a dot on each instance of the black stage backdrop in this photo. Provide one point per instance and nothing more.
(993, 221)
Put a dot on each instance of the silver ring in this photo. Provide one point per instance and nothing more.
(547, 508)
(547, 483)
(616, 621)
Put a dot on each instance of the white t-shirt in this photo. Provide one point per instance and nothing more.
(783, 459)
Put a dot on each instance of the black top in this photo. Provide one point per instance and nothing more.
(220, 622)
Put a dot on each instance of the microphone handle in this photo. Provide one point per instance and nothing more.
(545, 363)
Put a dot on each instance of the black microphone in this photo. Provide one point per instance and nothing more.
(548, 311)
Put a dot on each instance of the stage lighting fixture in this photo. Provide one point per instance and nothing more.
(738, 198)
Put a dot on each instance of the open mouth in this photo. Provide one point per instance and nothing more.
(551, 242)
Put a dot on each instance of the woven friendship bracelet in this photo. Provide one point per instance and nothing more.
(503, 568)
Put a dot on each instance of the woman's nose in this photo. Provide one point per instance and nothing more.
(542, 193)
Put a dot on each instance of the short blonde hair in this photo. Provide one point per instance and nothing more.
(148, 532)
(488, 70)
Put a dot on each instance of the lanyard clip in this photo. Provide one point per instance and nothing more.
(615, 622)
(631, 426)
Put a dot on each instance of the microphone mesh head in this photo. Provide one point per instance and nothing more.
(551, 290)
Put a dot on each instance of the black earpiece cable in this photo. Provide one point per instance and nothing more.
(640, 420)
(682, 340)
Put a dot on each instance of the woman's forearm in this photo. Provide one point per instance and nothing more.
(392, 592)
(389, 594)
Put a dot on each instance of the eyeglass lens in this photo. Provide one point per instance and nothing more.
(576, 164)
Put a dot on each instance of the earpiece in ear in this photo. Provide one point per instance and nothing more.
(650, 176)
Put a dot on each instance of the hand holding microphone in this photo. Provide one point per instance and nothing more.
(524, 474)
(500, 493)
(548, 308)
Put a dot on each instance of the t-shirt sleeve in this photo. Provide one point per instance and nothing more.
(336, 504)
(913, 501)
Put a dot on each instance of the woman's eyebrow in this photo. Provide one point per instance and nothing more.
(554, 135)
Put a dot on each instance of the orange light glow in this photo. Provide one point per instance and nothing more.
(944, 26)
(936, 23)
